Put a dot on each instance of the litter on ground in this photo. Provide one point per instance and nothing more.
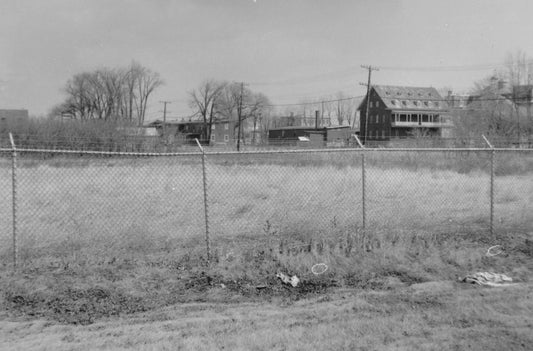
(293, 281)
(489, 279)
(494, 250)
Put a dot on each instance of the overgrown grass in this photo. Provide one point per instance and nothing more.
(113, 237)
(83, 208)
(403, 294)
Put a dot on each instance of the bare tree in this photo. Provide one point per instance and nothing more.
(111, 94)
(488, 112)
(203, 100)
(519, 74)
(344, 108)
(240, 104)
(147, 82)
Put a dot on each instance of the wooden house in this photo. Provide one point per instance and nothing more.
(399, 112)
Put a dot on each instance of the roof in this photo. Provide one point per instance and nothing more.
(410, 98)
(310, 128)
(158, 122)
(295, 128)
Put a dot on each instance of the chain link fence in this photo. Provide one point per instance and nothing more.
(85, 206)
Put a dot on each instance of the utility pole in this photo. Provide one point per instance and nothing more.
(239, 115)
(164, 117)
(322, 113)
(370, 69)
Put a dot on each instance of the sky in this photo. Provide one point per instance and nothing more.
(290, 50)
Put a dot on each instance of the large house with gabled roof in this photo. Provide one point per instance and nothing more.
(399, 112)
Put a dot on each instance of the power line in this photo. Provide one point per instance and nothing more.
(473, 67)
(315, 102)
(352, 70)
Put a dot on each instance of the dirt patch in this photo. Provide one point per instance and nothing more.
(85, 305)
(74, 306)
(383, 280)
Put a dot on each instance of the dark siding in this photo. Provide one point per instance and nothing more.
(375, 128)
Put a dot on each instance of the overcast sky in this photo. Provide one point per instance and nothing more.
(288, 49)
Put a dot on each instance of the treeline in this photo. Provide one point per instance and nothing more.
(109, 94)
(500, 105)
(94, 135)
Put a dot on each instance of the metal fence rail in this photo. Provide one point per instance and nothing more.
(85, 206)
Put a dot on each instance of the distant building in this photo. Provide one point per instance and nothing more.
(185, 132)
(308, 136)
(399, 112)
(458, 101)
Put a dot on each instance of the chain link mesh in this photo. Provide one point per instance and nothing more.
(82, 207)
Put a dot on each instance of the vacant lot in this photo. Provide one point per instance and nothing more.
(91, 207)
(112, 254)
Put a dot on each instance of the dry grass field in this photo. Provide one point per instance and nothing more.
(112, 254)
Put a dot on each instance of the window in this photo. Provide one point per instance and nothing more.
(404, 102)
(212, 137)
(226, 126)
(377, 103)
(226, 137)
(213, 126)
(371, 104)
(383, 133)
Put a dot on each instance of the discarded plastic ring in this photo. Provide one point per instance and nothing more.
(319, 268)
(494, 250)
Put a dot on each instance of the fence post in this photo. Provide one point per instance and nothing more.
(14, 198)
(363, 186)
(206, 212)
(491, 186)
